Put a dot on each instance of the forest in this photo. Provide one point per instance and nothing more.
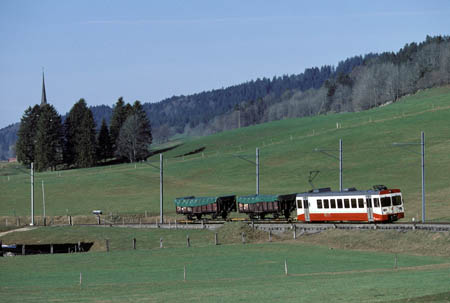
(354, 84)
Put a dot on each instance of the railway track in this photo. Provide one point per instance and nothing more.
(285, 226)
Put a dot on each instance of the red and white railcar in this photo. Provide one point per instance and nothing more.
(378, 205)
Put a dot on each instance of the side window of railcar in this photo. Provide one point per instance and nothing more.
(333, 203)
(325, 203)
(346, 203)
(361, 203)
(353, 203)
(369, 202)
(339, 203)
(299, 203)
(376, 202)
(385, 201)
(319, 203)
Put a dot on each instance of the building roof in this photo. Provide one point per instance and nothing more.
(44, 95)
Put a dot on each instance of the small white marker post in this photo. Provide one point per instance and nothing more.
(81, 279)
(285, 267)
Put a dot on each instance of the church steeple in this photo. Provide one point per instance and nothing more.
(44, 96)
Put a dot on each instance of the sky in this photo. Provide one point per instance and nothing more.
(152, 50)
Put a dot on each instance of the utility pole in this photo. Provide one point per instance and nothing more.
(257, 171)
(32, 194)
(161, 195)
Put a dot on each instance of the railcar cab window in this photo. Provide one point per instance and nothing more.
(333, 203)
(339, 203)
(396, 200)
(325, 203)
(376, 202)
(319, 203)
(385, 201)
(346, 203)
(361, 203)
(353, 203)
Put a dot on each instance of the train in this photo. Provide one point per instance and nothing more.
(379, 204)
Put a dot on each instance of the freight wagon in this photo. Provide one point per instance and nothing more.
(200, 206)
(258, 206)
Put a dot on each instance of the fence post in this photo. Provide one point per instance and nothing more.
(184, 276)
(160, 242)
(285, 267)
(134, 243)
(243, 238)
(23, 250)
(107, 245)
(270, 235)
(295, 232)
(51, 249)
(188, 241)
(216, 240)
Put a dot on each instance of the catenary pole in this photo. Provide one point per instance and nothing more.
(257, 171)
(161, 197)
(340, 164)
(422, 143)
(32, 194)
(43, 198)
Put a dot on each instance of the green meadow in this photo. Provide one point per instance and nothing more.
(287, 155)
(232, 272)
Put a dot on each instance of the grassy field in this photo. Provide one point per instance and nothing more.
(286, 155)
(232, 272)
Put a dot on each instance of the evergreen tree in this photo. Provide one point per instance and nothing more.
(80, 139)
(25, 146)
(104, 148)
(119, 115)
(48, 146)
(146, 130)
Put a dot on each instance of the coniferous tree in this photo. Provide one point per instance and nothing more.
(25, 146)
(120, 113)
(80, 139)
(146, 130)
(104, 148)
(49, 133)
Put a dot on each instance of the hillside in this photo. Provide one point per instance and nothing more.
(286, 154)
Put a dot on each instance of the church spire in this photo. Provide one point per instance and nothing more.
(44, 96)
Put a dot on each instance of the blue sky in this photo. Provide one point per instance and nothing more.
(151, 50)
